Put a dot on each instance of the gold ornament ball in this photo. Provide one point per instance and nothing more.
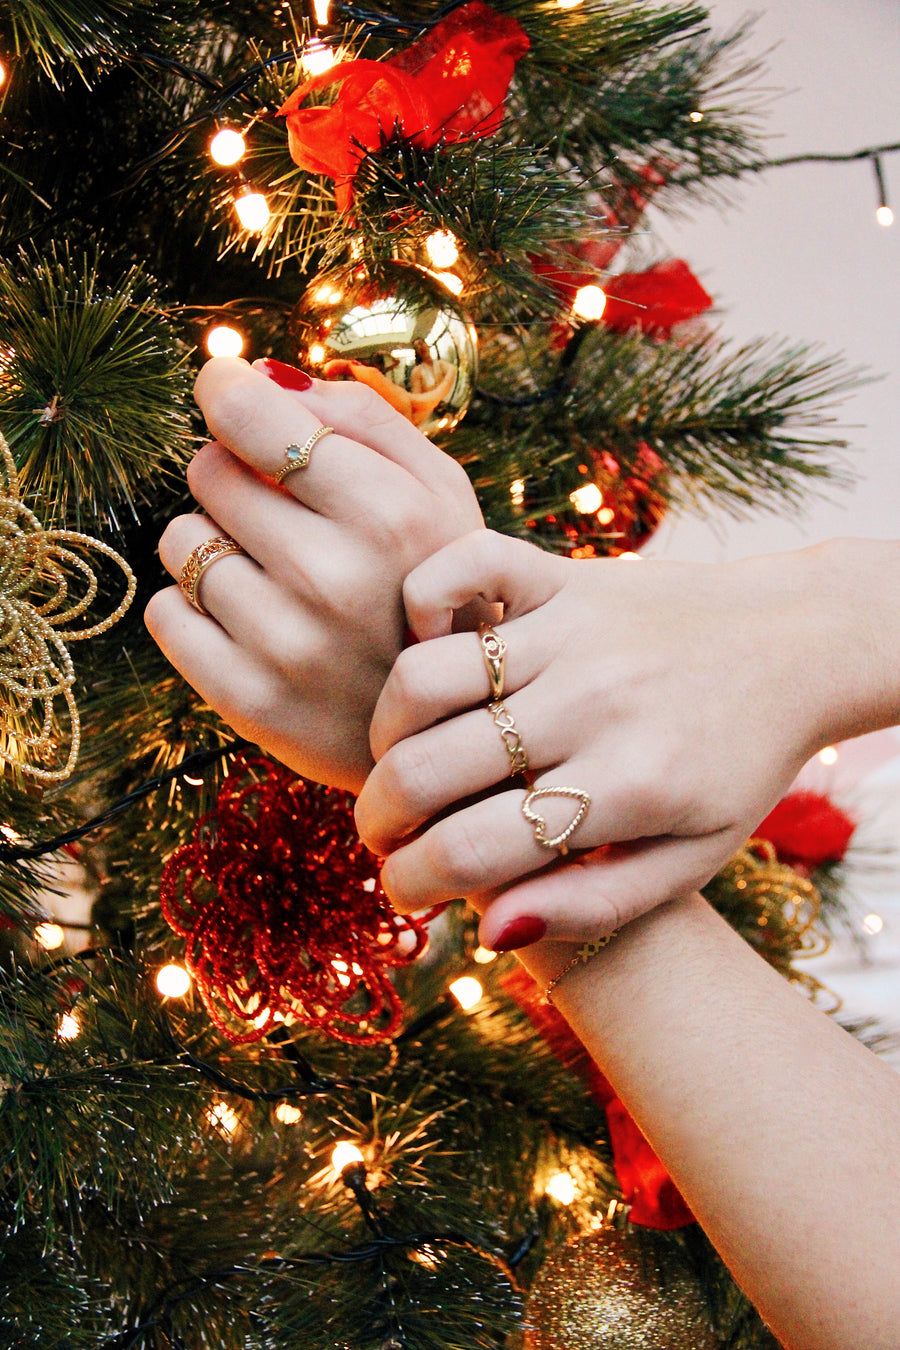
(398, 330)
(606, 1291)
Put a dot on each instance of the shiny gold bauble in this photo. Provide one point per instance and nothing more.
(607, 1291)
(398, 330)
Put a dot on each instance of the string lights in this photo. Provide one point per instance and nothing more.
(227, 147)
(223, 340)
(884, 215)
(467, 991)
(49, 936)
(173, 981)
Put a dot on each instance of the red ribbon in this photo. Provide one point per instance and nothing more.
(448, 85)
(655, 300)
(807, 830)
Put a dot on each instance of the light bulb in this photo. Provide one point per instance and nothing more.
(316, 354)
(589, 303)
(587, 499)
(629, 556)
(484, 956)
(567, 4)
(561, 1187)
(49, 936)
(606, 516)
(317, 57)
(885, 216)
(2, 73)
(343, 1154)
(68, 1027)
(252, 210)
(287, 1114)
(321, 8)
(873, 923)
(517, 491)
(173, 981)
(696, 116)
(467, 991)
(227, 146)
(223, 1117)
(222, 341)
(829, 755)
(442, 248)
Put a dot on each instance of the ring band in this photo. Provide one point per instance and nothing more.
(503, 721)
(539, 824)
(203, 556)
(297, 456)
(493, 649)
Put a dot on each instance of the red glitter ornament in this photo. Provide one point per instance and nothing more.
(282, 913)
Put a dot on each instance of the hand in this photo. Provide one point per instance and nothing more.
(302, 632)
(682, 698)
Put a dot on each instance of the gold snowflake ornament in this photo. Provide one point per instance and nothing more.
(47, 583)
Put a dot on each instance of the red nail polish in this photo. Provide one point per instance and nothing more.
(289, 377)
(520, 932)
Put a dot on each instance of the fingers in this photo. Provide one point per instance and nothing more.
(593, 895)
(259, 421)
(358, 412)
(491, 566)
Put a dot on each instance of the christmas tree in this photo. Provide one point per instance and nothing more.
(473, 246)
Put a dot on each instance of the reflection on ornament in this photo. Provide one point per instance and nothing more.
(398, 331)
(41, 575)
(610, 1289)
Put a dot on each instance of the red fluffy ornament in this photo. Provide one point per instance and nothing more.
(449, 85)
(807, 831)
(646, 1185)
(282, 914)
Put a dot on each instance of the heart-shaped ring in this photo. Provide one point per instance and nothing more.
(539, 824)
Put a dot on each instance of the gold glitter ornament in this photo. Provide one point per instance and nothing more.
(610, 1291)
(400, 332)
(46, 585)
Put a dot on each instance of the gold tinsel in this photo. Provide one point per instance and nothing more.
(610, 1290)
(41, 575)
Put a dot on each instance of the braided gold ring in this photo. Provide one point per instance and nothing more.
(203, 556)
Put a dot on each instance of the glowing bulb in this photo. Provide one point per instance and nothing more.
(222, 341)
(606, 516)
(321, 8)
(467, 991)
(49, 936)
(68, 1027)
(186, 778)
(828, 755)
(287, 1114)
(442, 248)
(587, 499)
(629, 556)
(589, 302)
(222, 1117)
(341, 968)
(343, 1154)
(227, 146)
(173, 981)
(561, 1187)
(873, 923)
(517, 491)
(316, 354)
(2, 73)
(252, 210)
(483, 956)
(885, 216)
(696, 116)
(567, 4)
(317, 57)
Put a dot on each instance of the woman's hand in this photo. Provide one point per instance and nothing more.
(682, 699)
(301, 632)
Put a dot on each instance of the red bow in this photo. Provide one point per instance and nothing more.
(807, 830)
(449, 84)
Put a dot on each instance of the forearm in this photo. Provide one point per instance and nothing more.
(782, 1132)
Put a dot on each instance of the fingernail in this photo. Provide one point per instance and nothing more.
(520, 932)
(289, 377)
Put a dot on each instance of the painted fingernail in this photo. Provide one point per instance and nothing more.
(520, 932)
(289, 377)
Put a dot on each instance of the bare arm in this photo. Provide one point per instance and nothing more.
(781, 1130)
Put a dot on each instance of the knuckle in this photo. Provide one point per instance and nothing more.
(413, 777)
(459, 855)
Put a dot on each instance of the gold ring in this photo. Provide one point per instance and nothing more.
(493, 649)
(539, 824)
(197, 562)
(503, 721)
(297, 456)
